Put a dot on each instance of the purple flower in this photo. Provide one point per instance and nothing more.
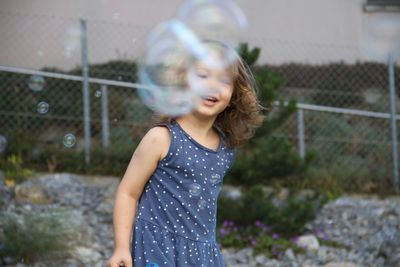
(319, 232)
(275, 236)
(294, 239)
(275, 250)
(224, 231)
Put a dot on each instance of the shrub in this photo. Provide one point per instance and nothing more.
(287, 219)
(33, 236)
(258, 236)
(14, 170)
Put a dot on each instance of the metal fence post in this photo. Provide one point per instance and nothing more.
(104, 117)
(85, 89)
(300, 130)
(393, 121)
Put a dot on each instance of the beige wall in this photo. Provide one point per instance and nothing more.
(35, 33)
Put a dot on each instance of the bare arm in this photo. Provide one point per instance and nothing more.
(153, 147)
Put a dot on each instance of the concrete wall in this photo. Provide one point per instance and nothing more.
(37, 33)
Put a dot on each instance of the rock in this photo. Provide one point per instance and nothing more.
(341, 264)
(366, 229)
(261, 259)
(289, 255)
(305, 194)
(308, 242)
(283, 194)
(88, 256)
(231, 192)
(33, 193)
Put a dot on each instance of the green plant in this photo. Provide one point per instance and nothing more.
(14, 170)
(33, 236)
(258, 236)
(287, 219)
(266, 155)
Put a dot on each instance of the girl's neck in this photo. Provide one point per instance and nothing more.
(197, 126)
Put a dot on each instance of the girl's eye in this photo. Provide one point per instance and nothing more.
(202, 75)
(227, 81)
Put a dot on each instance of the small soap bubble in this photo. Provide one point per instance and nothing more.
(69, 140)
(36, 83)
(42, 107)
(97, 93)
(202, 204)
(195, 189)
(3, 143)
(215, 178)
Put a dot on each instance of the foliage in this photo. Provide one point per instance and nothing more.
(14, 170)
(267, 156)
(258, 236)
(286, 219)
(33, 236)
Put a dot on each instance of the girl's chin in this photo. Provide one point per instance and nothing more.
(208, 103)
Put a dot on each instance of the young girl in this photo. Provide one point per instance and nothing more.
(170, 189)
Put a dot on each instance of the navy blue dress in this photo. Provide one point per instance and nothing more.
(176, 216)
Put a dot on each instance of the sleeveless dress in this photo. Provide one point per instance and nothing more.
(176, 216)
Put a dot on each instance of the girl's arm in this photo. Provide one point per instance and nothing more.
(153, 147)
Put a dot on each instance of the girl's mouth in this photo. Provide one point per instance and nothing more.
(211, 99)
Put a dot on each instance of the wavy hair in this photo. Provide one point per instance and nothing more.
(243, 116)
(244, 113)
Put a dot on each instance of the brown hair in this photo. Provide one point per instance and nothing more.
(240, 119)
(243, 115)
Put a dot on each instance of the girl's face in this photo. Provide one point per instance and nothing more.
(216, 86)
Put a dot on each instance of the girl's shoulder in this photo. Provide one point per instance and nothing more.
(159, 137)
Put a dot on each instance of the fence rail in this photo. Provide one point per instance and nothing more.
(346, 112)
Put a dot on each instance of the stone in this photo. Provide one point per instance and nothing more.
(308, 242)
(341, 264)
(32, 193)
(231, 192)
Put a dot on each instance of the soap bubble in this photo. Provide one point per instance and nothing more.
(97, 93)
(202, 204)
(221, 21)
(205, 32)
(36, 83)
(69, 140)
(215, 178)
(195, 189)
(163, 70)
(42, 107)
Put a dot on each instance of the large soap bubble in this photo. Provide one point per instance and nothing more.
(204, 33)
(221, 21)
(164, 68)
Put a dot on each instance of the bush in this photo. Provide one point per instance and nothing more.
(14, 170)
(258, 236)
(287, 219)
(33, 236)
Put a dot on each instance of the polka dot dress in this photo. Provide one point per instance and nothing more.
(176, 216)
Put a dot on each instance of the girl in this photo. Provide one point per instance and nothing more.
(171, 186)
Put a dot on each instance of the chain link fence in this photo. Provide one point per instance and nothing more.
(343, 109)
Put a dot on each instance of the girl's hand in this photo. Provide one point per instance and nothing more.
(120, 258)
